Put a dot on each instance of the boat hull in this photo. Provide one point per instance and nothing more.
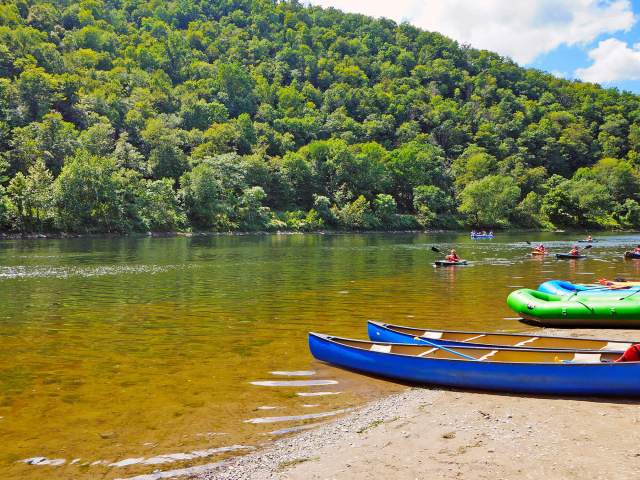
(445, 263)
(608, 379)
(567, 256)
(634, 255)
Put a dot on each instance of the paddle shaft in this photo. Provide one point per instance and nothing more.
(435, 345)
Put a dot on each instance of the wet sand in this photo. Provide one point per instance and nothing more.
(432, 433)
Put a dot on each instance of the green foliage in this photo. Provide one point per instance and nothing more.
(31, 198)
(88, 195)
(490, 201)
(217, 115)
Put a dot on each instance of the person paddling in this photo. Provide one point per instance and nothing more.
(540, 249)
(637, 249)
(589, 238)
(452, 257)
(574, 251)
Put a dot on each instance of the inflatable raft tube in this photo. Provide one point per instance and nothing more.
(560, 287)
(554, 310)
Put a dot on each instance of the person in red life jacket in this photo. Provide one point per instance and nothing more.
(637, 249)
(452, 257)
(574, 251)
(540, 249)
(632, 354)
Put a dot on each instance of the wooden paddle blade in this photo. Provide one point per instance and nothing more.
(527, 242)
(435, 249)
(587, 247)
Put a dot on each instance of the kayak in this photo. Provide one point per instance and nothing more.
(385, 332)
(555, 310)
(535, 252)
(481, 236)
(631, 255)
(555, 372)
(568, 256)
(587, 241)
(447, 263)
(559, 287)
(618, 284)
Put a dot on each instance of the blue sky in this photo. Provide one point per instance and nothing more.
(592, 40)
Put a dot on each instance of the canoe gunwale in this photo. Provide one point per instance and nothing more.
(389, 326)
(332, 339)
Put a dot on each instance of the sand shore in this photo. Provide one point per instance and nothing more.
(432, 433)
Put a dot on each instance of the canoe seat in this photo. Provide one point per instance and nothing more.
(616, 346)
(426, 352)
(432, 335)
(587, 357)
(475, 337)
(380, 348)
(490, 354)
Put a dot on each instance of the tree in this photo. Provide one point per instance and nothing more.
(415, 164)
(201, 193)
(489, 202)
(87, 196)
(31, 197)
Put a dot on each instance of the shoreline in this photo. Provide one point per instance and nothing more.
(66, 236)
(442, 433)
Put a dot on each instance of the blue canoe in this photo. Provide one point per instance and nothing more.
(386, 332)
(560, 287)
(510, 370)
(482, 236)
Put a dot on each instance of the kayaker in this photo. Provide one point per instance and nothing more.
(637, 249)
(540, 249)
(574, 251)
(452, 257)
(632, 354)
(589, 238)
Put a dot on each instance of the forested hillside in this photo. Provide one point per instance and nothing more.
(132, 115)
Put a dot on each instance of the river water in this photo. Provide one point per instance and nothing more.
(121, 357)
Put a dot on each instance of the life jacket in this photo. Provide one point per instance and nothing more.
(452, 258)
(632, 354)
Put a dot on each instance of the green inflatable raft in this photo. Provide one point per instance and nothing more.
(572, 310)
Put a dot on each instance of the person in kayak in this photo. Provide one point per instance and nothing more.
(452, 257)
(637, 249)
(539, 249)
(574, 251)
(589, 238)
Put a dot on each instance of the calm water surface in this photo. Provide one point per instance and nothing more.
(122, 357)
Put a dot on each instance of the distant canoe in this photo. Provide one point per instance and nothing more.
(587, 241)
(535, 252)
(555, 372)
(385, 332)
(446, 263)
(631, 255)
(568, 256)
(482, 236)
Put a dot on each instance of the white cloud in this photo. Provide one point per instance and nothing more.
(521, 29)
(613, 60)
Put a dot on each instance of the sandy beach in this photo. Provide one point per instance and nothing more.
(434, 433)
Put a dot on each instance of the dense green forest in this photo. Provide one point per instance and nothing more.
(135, 115)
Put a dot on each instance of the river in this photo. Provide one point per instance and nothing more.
(120, 357)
